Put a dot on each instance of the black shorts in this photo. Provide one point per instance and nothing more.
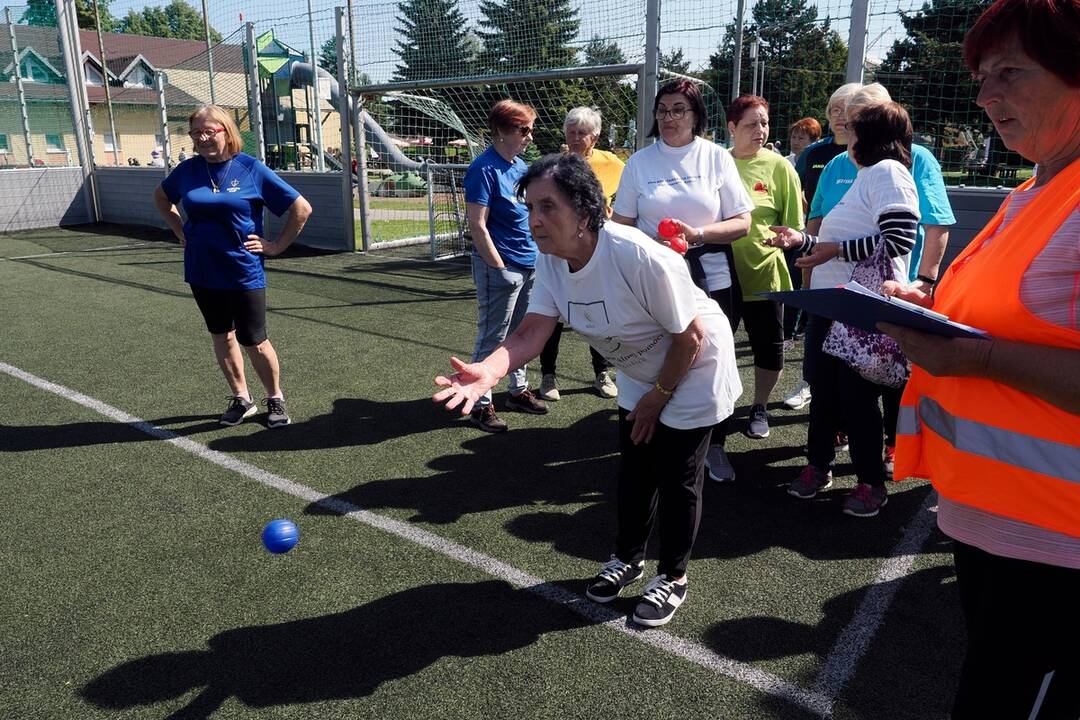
(240, 310)
(764, 323)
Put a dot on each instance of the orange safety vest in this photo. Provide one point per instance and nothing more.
(983, 443)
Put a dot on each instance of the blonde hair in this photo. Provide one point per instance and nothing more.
(866, 96)
(220, 115)
(842, 94)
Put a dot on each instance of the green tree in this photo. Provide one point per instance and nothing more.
(801, 60)
(43, 13)
(674, 62)
(328, 56)
(176, 20)
(925, 72)
(521, 35)
(434, 41)
(617, 102)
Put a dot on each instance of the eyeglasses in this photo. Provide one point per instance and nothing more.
(836, 111)
(203, 135)
(675, 113)
(523, 129)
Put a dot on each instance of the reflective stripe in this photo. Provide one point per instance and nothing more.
(907, 422)
(1023, 451)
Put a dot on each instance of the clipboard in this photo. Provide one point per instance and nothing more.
(862, 308)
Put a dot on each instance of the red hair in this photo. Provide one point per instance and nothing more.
(507, 114)
(1048, 31)
(741, 104)
(807, 126)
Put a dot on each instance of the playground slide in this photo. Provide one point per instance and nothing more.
(374, 135)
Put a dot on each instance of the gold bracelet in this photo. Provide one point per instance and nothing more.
(664, 391)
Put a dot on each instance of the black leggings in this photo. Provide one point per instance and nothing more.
(661, 478)
(550, 354)
(240, 310)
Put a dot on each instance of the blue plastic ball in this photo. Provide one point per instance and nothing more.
(280, 536)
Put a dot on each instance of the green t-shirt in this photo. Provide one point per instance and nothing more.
(774, 187)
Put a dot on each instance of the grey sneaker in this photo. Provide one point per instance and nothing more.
(865, 500)
(800, 398)
(277, 415)
(548, 389)
(238, 410)
(810, 482)
(759, 423)
(612, 578)
(605, 385)
(662, 597)
(720, 468)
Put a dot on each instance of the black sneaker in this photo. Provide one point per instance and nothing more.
(484, 417)
(612, 578)
(238, 409)
(525, 401)
(662, 597)
(759, 423)
(277, 416)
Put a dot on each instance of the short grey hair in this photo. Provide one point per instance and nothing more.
(843, 94)
(586, 116)
(867, 96)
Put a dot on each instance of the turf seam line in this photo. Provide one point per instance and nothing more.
(854, 640)
(75, 252)
(761, 680)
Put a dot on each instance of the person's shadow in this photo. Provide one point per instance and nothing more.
(338, 656)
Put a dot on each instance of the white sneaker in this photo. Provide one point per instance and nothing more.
(548, 390)
(798, 399)
(605, 385)
(720, 468)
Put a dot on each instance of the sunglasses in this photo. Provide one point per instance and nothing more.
(202, 135)
(523, 129)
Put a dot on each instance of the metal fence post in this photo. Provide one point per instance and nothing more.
(80, 112)
(209, 52)
(22, 92)
(317, 119)
(254, 92)
(649, 72)
(430, 178)
(860, 18)
(344, 100)
(736, 64)
(361, 171)
(163, 112)
(105, 85)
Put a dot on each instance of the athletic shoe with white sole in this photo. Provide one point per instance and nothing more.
(277, 416)
(800, 398)
(720, 469)
(662, 597)
(239, 409)
(612, 578)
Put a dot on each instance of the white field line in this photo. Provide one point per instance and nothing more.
(75, 252)
(693, 652)
(854, 640)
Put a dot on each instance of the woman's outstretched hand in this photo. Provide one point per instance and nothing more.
(467, 385)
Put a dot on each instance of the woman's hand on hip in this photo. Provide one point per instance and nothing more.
(822, 253)
(645, 416)
(465, 386)
(258, 246)
(941, 356)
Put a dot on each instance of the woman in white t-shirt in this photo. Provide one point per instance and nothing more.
(881, 206)
(687, 178)
(634, 301)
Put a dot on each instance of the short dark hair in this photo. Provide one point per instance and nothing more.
(575, 180)
(741, 104)
(882, 132)
(690, 91)
(1048, 30)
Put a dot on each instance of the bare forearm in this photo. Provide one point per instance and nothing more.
(681, 355)
(726, 231)
(298, 217)
(813, 226)
(169, 214)
(935, 240)
(1049, 373)
(520, 346)
(484, 245)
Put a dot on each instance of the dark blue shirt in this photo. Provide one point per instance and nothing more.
(491, 181)
(218, 223)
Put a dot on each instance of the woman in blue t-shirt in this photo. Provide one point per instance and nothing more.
(223, 192)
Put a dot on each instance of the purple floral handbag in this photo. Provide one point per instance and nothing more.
(876, 357)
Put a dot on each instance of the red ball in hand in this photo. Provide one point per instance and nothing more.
(677, 244)
(668, 228)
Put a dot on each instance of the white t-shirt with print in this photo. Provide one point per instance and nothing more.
(627, 301)
(697, 183)
(880, 188)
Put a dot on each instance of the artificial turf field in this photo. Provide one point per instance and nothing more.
(440, 571)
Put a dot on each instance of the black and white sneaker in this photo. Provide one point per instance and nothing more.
(612, 578)
(238, 410)
(662, 597)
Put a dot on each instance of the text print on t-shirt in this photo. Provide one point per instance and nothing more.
(684, 180)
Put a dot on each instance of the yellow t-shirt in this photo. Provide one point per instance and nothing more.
(774, 187)
(608, 168)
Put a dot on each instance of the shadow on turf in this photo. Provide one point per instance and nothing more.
(524, 467)
(338, 656)
(25, 438)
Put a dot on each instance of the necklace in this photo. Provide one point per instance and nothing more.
(224, 176)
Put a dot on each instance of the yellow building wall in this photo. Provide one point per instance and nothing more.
(230, 89)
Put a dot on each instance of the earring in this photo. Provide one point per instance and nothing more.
(580, 234)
